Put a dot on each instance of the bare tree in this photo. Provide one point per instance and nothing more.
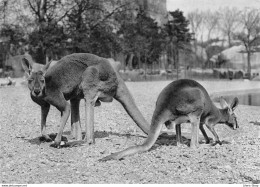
(250, 35)
(229, 22)
(196, 22)
(211, 20)
(196, 19)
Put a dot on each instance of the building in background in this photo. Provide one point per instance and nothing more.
(156, 9)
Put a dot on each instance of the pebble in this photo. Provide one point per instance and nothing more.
(228, 167)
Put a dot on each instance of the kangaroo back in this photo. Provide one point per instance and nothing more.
(66, 74)
(182, 97)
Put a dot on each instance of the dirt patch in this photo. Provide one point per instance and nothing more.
(25, 159)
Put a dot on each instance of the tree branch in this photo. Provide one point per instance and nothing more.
(108, 16)
(34, 10)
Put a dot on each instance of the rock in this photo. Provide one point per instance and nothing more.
(228, 167)
(189, 170)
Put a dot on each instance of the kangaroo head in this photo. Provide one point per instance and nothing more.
(36, 80)
(230, 118)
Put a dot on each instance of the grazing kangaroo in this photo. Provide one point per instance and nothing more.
(81, 76)
(180, 102)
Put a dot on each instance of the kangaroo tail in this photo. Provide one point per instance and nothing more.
(125, 98)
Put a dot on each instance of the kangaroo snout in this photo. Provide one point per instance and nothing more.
(37, 92)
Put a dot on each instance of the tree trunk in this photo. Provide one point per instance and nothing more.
(130, 61)
(172, 58)
(139, 61)
(249, 64)
(177, 63)
(40, 55)
(229, 39)
(145, 66)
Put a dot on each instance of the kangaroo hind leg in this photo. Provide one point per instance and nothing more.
(75, 119)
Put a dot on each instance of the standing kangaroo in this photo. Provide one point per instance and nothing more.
(180, 102)
(35, 83)
(75, 77)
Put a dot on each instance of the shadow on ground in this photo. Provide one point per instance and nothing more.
(163, 139)
(98, 134)
(255, 123)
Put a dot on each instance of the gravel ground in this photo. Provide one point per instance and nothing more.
(24, 159)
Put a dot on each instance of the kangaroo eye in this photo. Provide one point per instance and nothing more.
(30, 80)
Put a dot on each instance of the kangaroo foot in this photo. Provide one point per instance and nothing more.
(62, 144)
(217, 142)
(56, 145)
(75, 143)
(194, 146)
(181, 145)
(89, 142)
(79, 143)
(207, 141)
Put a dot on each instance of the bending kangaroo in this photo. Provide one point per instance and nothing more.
(184, 101)
(81, 76)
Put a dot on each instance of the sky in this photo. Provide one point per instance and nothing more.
(190, 5)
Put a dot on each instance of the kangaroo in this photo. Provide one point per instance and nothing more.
(184, 101)
(81, 76)
(36, 83)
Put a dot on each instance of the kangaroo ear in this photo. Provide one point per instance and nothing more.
(223, 103)
(234, 103)
(26, 66)
(45, 68)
